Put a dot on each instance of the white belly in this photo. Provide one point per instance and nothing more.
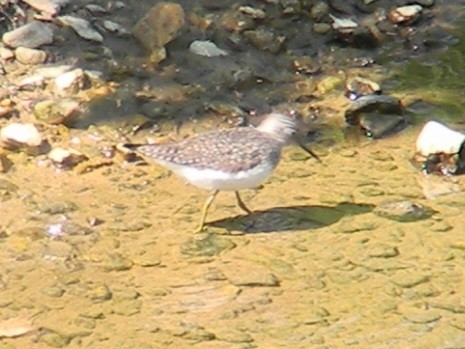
(221, 180)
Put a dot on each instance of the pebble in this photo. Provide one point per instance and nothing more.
(405, 14)
(21, 135)
(206, 48)
(30, 56)
(252, 12)
(206, 247)
(403, 211)
(66, 157)
(114, 27)
(82, 28)
(343, 25)
(31, 35)
(95, 9)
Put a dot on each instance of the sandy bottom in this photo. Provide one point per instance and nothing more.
(108, 259)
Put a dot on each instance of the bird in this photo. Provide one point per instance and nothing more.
(229, 159)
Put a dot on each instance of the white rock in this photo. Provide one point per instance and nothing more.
(206, 48)
(436, 138)
(342, 24)
(72, 80)
(409, 11)
(66, 157)
(82, 27)
(21, 134)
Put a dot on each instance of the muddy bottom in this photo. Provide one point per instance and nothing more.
(109, 258)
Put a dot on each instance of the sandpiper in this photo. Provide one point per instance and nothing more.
(227, 160)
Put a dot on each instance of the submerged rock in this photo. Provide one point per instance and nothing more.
(376, 115)
(206, 48)
(82, 28)
(160, 26)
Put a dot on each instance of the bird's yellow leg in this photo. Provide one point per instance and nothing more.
(205, 208)
(241, 203)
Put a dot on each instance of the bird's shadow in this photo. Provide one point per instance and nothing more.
(291, 218)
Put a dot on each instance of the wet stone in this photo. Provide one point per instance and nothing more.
(319, 11)
(116, 262)
(54, 208)
(54, 292)
(198, 335)
(82, 27)
(451, 307)
(31, 35)
(381, 104)
(233, 336)
(321, 28)
(235, 21)
(55, 339)
(99, 293)
(403, 211)
(30, 56)
(206, 48)
(84, 322)
(247, 274)
(380, 125)
(48, 8)
(208, 246)
(52, 111)
(161, 25)
(440, 226)
(409, 278)
(264, 40)
(150, 258)
(422, 317)
(382, 251)
(126, 307)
